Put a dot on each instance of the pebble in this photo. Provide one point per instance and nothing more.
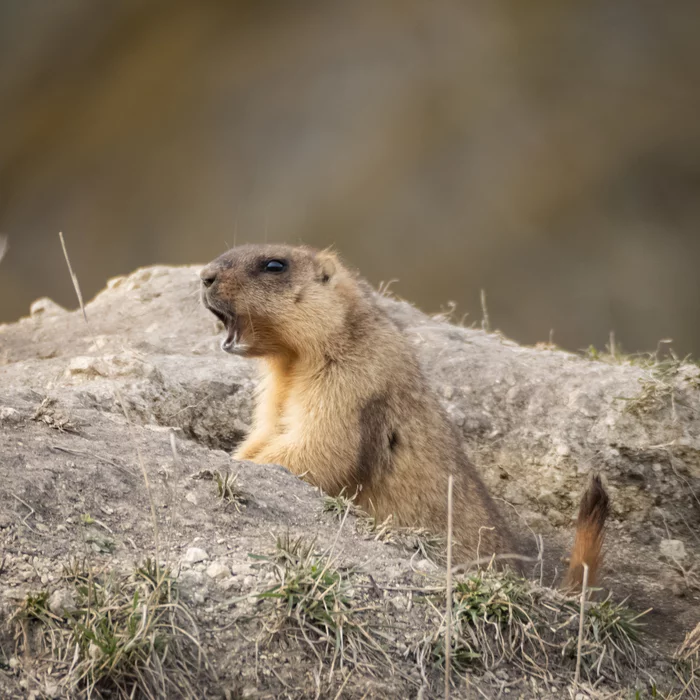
(673, 549)
(45, 307)
(218, 570)
(9, 415)
(62, 600)
(557, 518)
(195, 554)
(427, 566)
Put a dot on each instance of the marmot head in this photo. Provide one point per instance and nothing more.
(274, 299)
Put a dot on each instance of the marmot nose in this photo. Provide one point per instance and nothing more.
(208, 276)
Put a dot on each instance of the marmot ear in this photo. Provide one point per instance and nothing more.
(326, 265)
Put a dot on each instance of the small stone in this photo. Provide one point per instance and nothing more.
(548, 498)
(241, 569)
(45, 307)
(228, 583)
(193, 586)
(194, 555)
(115, 282)
(399, 602)
(191, 496)
(51, 689)
(536, 521)
(62, 600)
(9, 415)
(563, 450)
(218, 570)
(514, 494)
(426, 566)
(88, 366)
(672, 549)
(557, 518)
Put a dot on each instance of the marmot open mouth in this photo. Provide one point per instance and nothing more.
(232, 342)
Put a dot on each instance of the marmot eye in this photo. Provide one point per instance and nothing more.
(274, 266)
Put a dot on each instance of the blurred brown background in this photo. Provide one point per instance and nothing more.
(545, 151)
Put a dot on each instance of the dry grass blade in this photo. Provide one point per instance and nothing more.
(115, 636)
(312, 602)
(687, 661)
(499, 617)
(122, 404)
(448, 592)
(229, 490)
(339, 505)
(584, 591)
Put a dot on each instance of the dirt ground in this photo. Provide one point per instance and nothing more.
(81, 482)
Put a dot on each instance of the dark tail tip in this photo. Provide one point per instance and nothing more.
(595, 504)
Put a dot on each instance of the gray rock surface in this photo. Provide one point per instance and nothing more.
(536, 422)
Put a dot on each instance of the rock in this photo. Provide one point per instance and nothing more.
(194, 555)
(537, 521)
(193, 586)
(563, 450)
(9, 415)
(514, 494)
(45, 307)
(52, 688)
(168, 368)
(673, 549)
(426, 566)
(557, 518)
(242, 569)
(548, 498)
(218, 570)
(62, 601)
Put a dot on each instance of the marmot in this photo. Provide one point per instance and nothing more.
(344, 404)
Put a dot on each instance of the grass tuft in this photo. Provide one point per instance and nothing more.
(228, 489)
(115, 636)
(312, 602)
(499, 617)
(687, 662)
(339, 505)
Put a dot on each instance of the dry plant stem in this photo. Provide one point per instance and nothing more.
(584, 590)
(448, 612)
(485, 321)
(122, 404)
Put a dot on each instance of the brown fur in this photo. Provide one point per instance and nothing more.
(590, 530)
(343, 401)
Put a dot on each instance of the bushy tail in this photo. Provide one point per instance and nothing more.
(590, 530)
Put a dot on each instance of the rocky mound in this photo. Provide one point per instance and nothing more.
(113, 450)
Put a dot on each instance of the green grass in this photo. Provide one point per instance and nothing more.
(312, 602)
(122, 637)
(499, 617)
(339, 505)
